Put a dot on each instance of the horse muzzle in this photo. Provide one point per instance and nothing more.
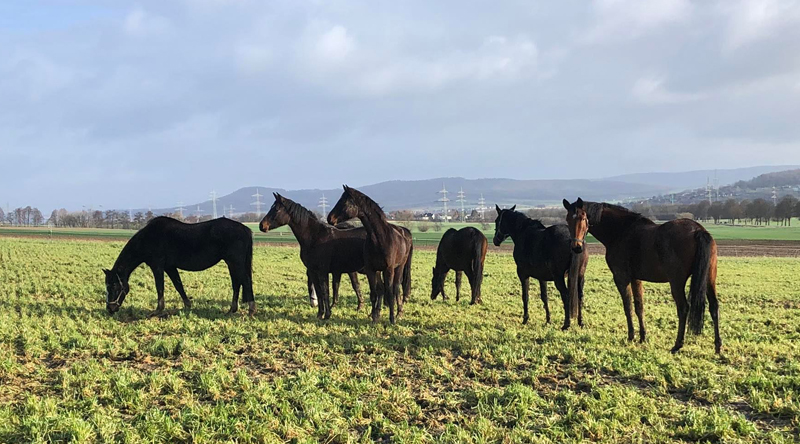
(263, 226)
(112, 308)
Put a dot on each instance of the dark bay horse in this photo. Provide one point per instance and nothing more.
(168, 245)
(461, 250)
(638, 249)
(387, 250)
(324, 249)
(543, 253)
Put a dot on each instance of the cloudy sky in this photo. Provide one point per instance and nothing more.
(151, 102)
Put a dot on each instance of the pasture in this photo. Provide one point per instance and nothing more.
(448, 372)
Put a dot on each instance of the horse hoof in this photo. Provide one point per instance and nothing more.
(565, 327)
(676, 349)
(187, 304)
(156, 314)
(524, 321)
(360, 306)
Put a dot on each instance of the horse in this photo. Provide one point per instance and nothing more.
(461, 250)
(543, 253)
(324, 250)
(168, 245)
(638, 249)
(387, 250)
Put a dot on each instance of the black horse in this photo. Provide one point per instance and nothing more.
(167, 245)
(324, 249)
(542, 253)
(388, 250)
(461, 250)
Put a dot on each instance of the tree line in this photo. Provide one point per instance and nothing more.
(750, 212)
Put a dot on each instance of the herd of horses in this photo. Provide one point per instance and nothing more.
(637, 250)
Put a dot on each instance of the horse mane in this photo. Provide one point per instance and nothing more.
(298, 213)
(366, 203)
(524, 221)
(594, 211)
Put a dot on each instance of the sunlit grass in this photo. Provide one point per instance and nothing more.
(446, 373)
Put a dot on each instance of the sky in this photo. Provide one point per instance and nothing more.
(131, 104)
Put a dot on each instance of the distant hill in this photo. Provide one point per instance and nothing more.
(696, 179)
(423, 194)
(784, 183)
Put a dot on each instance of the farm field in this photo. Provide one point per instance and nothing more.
(429, 238)
(448, 372)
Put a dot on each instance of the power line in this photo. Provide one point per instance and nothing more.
(444, 200)
(323, 202)
(180, 209)
(257, 203)
(230, 212)
(461, 200)
(482, 207)
(214, 204)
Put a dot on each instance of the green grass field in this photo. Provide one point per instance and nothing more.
(448, 372)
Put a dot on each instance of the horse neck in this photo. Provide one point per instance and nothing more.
(611, 225)
(305, 231)
(519, 229)
(129, 258)
(377, 227)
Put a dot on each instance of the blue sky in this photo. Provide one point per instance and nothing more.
(153, 102)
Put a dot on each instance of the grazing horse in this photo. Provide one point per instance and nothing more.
(168, 245)
(324, 249)
(638, 249)
(461, 250)
(543, 253)
(387, 250)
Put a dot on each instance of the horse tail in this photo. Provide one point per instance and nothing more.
(477, 261)
(573, 281)
(700, 271)
(407, 274)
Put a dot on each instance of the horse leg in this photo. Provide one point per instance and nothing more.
(678, 288)
(561, 286)
(236, 284)
(374, 294)
(357, 289)
(638, 302)
(398, 294)
(525, 281)
(473, 287)
(459, 273)
(326, 295)
(624, 288)
(312, 293)
(247, 289)
(388, 293)
(176, 281)
(158, 275)
(581, 282)
(543, 290)
(336, 279)
(713, 308)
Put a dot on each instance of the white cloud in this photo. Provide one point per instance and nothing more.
(335, 44)
(625, 19)
(140, 23)
(753, 20)
(652, 91)
(373, 71)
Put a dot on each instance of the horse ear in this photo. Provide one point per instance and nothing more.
(275, 195)
(566, 204)
(513, 208)
(498, 208)
(106, 272)
(579, 203)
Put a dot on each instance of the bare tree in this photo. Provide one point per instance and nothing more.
(785, 210)
(2, 216)
(36, 217)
